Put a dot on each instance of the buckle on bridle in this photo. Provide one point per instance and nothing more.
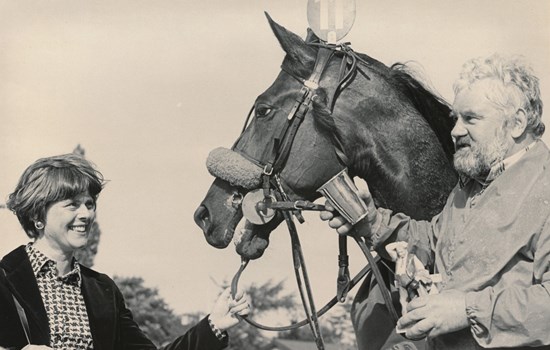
(268, 170)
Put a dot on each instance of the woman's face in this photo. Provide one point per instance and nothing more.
(68, 223)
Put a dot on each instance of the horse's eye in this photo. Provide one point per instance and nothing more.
(262, 111)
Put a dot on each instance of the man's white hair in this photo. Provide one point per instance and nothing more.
(518, 87)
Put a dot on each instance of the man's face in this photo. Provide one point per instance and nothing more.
(481, 135)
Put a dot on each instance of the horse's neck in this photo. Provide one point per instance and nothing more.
(417, 187)
(395, 150)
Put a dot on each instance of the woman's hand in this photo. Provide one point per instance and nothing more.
(337, 222)
(223, 315)
(36, 347)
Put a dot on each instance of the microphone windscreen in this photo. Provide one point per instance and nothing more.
(232, 167)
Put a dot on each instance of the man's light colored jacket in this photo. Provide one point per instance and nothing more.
(495, 246)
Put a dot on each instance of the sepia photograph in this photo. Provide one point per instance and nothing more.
(274, 175)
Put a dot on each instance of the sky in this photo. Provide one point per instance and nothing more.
(148, 88)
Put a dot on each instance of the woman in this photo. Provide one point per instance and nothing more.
(66, 305)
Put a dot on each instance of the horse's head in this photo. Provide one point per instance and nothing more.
(311, 160)
(337, 123)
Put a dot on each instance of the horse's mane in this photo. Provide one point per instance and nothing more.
(432, 107)
(400, 76)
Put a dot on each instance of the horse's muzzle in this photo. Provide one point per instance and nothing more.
(202, 218)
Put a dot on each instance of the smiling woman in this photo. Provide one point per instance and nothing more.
(55, 202)
(60, 303)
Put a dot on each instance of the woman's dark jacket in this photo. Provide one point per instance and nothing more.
(111, 323)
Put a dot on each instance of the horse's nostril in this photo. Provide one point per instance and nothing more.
(202, 218)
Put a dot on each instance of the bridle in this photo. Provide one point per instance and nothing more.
(271, 185)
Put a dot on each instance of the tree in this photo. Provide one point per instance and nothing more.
(336, 326)
(339, 326)
(155, 318)
(268, 299)
(265, 298)
(86, 255)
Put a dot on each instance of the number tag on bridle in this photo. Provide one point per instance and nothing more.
(331, 20)
(254, 211)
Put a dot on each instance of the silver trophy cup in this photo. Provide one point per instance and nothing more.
(342, 193)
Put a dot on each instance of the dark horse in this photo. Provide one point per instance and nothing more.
(394, 132)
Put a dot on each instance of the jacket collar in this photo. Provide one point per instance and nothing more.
(498, 168)
(23, 286)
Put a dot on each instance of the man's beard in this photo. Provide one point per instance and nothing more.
(476, 160)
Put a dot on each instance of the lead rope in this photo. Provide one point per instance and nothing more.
(300, 270)
(234, 287)
(312, 316)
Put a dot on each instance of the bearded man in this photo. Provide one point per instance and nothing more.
(491, 242)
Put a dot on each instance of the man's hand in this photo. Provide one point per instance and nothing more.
(336, 221)
(434, 315)
(225, 308)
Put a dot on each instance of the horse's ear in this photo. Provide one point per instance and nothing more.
(291, 43)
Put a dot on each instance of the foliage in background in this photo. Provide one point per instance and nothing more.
(269, 300)
(265, 298)
(86, 255)
(155, 318)
(336, 326)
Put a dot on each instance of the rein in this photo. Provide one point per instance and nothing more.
(271, 184)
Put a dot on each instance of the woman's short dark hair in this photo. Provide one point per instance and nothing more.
(49, 180)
